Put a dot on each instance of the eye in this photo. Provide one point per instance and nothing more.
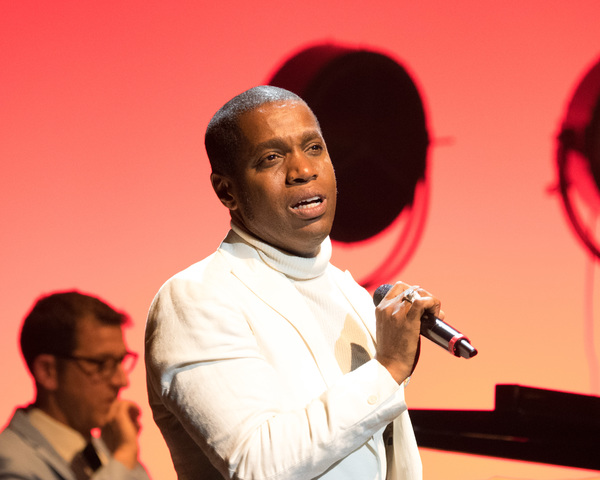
(315, 148)
(267, 160)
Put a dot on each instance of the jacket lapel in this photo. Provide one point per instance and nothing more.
(274, 289)
(21, 426)
(359, 299)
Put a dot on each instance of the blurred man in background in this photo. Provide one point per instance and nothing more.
(75, 352)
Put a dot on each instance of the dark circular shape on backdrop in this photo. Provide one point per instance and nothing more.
(579, 139)
(373, 121)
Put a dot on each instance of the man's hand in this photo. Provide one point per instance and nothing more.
(121, 432)
(399, 325)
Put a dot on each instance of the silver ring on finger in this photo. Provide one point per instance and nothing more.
(410, 294)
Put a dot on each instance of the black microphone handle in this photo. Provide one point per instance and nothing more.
(446, 337)
(436, 330)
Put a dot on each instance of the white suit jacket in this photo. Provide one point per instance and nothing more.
(240, 380)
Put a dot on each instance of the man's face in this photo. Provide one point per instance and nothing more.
(285, 191)
(84, 395)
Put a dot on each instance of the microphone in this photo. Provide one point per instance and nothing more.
(436, 330)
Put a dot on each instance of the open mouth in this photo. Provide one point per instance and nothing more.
(308, 203)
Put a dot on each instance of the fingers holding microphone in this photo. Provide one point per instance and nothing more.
(398, 316)
(426, 301)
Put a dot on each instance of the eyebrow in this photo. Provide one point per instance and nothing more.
(280, 143)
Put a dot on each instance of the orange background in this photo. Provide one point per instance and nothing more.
(105, 187)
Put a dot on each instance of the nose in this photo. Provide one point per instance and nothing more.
(119, 378)
(301, 168)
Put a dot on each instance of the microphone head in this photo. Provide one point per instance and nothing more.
(381, 292)
(464, 349)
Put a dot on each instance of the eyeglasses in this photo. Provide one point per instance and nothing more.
(104, 367)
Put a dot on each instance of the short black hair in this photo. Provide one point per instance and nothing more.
(51, 325)
(223, 138)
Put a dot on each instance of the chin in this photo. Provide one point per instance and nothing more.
(314, 242)
(100, 422)
(102, 418)
(317, 234)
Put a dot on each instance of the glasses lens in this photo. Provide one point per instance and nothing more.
(129, 361)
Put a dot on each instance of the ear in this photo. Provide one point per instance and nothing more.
(223, 187)
(45, 371)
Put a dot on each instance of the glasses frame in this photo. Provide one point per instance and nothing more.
(104, 367)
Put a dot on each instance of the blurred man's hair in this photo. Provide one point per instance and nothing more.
(51, 325)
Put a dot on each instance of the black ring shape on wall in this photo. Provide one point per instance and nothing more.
(579, 139)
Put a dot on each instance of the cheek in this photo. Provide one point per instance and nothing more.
(91, 394)
(331, 175)
(99, 409)
(263, 202)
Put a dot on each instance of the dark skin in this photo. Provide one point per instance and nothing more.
(284, 193)
(284, 190)
(398, 328)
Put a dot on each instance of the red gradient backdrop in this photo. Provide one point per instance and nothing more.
(105, 187)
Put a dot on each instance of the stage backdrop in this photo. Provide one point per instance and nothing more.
(105, 184)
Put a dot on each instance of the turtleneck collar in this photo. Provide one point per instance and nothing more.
(292, 266)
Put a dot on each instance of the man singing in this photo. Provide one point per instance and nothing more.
(264, 361)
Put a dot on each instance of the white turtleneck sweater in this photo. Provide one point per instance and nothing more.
(345, 334)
